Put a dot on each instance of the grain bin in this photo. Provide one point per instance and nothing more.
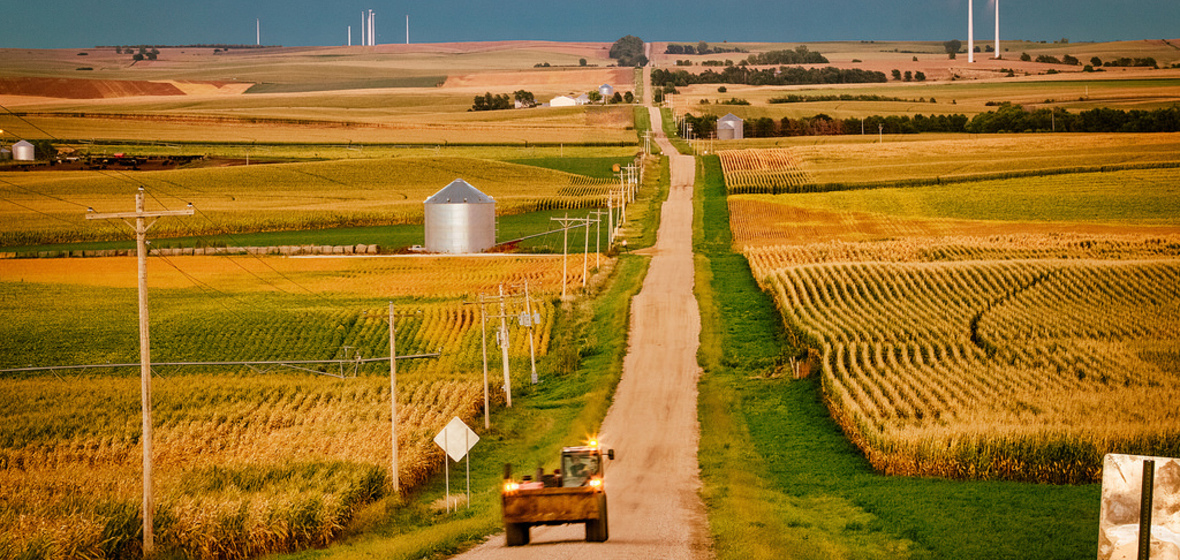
(460, 219)
(23, 151)
(729, 127)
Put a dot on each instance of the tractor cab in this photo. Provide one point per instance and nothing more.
(582, 466)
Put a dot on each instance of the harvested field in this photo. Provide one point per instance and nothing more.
(76, 88)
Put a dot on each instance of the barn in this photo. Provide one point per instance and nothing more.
(460, 219)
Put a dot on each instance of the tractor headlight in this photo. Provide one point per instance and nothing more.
(511, 486)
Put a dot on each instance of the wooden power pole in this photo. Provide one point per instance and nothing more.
(141, 227)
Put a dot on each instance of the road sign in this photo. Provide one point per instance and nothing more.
(456, 439)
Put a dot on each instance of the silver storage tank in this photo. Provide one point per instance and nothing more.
(23, 151)
(729, 127)
(460, 219)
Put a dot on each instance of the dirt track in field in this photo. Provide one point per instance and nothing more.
(652, 485)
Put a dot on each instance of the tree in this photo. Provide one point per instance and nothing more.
(896, 74)
(629, 97)
(628, 51)
(921, 77)
(581, 62)
(525, 98)
(909, 76)
(1071, 60)
(952, 47)
(617, 98)
(1024, 57)
(702, 48)
(1096, 62)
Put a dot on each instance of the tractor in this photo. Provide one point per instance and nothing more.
(575, 493)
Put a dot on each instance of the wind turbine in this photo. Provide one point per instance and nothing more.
(970, 31)
(997, 54)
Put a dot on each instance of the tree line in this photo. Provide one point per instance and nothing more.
(781, 76)
(1008, 118)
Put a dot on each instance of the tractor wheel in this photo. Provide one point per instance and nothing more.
(517, 534)
(598, 530)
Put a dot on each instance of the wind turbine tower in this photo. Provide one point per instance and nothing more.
(997, 53)
(258, 31)
(970, 31)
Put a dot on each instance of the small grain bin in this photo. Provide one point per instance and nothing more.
(23, 151)
(460, 219)
(729, 127)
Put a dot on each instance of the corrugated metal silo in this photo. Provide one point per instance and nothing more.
(729, 127)
(23, 151)
(460, 219)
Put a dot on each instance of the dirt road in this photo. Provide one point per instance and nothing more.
(652, 485)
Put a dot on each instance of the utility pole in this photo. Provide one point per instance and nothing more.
(528, 310)
(145, 355)
(565, 226)
(483, 343)
(504, 347)
(393, 400)
(598, 214)
(586, 253)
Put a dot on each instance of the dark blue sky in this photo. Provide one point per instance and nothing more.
(78, 23)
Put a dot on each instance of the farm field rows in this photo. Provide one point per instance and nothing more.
(49, 207)
(449, 124)
(1025, 370)
(1156, 90)
(844, 162)
(981, 329)
(248, 460)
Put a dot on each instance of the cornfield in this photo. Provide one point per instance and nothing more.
(769, 171)
(41, 207)
(1019, 357)
(247, 460)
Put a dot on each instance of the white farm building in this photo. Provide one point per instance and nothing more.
(563, 101)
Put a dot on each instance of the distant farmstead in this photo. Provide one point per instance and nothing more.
(729, 127)
(563, 101)
(460, 219)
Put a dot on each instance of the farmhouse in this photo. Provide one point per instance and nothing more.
(729, 127)
(460, 219)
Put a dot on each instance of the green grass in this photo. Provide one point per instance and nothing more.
(770, 452)
(597, 167)
(390, 238)
(410, 82)
(562, 410)
(1148, 196)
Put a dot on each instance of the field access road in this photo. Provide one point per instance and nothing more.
(655, 511)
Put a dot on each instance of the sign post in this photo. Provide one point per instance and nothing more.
(456, 439)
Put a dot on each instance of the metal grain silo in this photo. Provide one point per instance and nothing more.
(730, 127)
(460, 219)
(23, 151)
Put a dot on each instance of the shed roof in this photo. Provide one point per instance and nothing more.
(459, 192)
(730, 117)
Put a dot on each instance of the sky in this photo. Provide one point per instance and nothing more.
(86, 23)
